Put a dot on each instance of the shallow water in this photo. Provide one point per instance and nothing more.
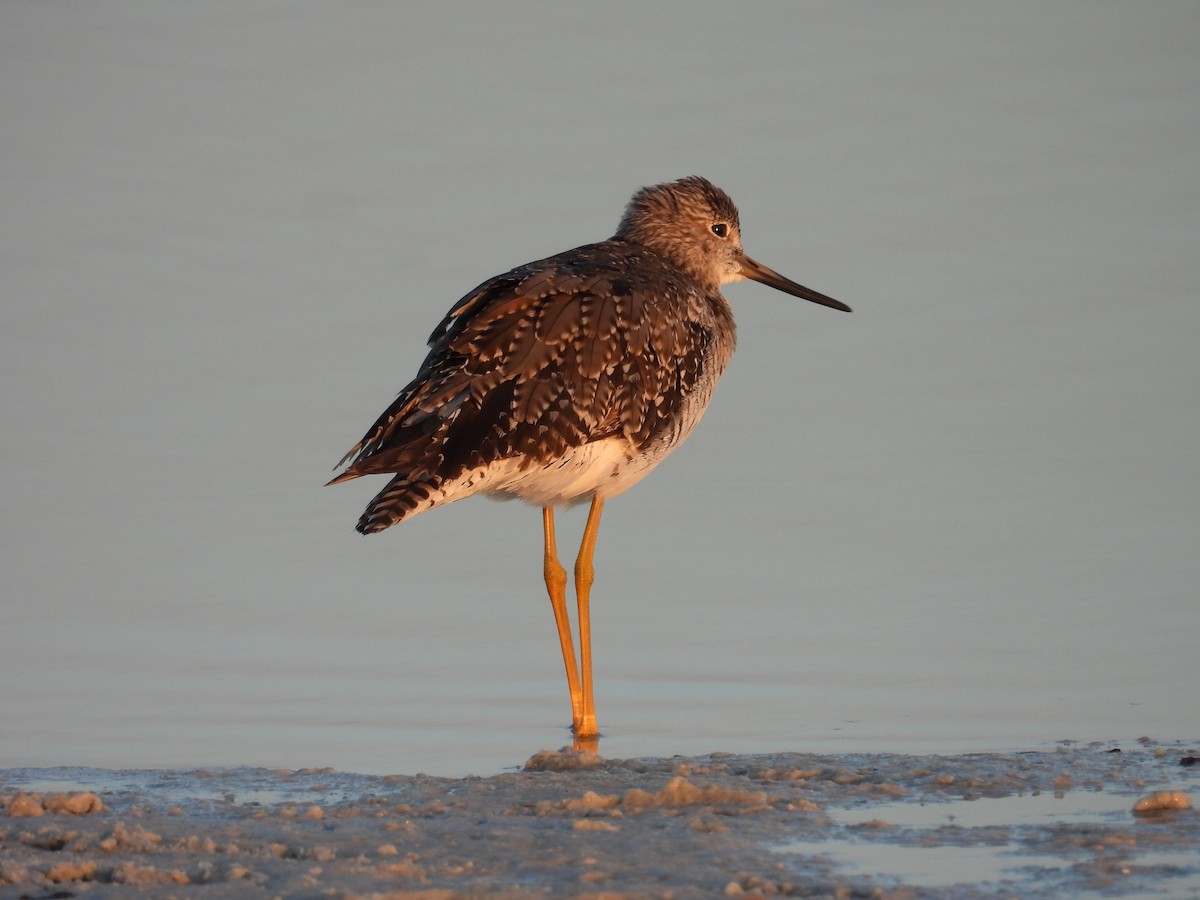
(1010, 843)
(963, 518)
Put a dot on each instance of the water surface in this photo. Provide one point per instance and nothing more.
(964, 518)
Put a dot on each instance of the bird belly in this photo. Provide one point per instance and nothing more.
(599, 468)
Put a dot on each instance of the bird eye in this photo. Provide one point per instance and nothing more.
(720, 229)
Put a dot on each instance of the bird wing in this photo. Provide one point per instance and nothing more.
(575, 348)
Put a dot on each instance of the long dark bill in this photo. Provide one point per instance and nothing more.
(758, 272)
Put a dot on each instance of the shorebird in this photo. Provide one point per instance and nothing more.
(567, 380)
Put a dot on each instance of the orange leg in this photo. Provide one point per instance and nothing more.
(556, 587)
(584, 576)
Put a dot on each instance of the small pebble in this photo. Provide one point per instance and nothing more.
(1163, 800)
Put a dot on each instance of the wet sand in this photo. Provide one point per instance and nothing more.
(569, 824)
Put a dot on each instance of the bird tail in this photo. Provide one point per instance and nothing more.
(396, 502)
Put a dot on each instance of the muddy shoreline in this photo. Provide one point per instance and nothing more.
(568, 824)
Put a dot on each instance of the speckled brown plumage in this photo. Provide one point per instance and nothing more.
(623, 339)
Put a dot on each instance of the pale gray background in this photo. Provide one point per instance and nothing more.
(963, 518)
